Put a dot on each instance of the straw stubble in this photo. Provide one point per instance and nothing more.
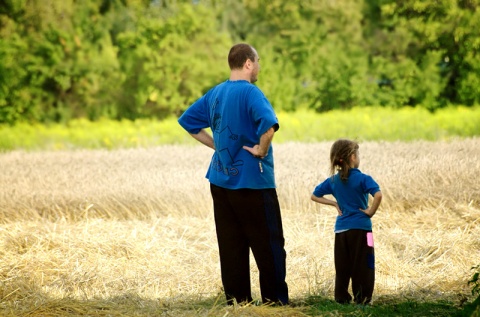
(100, 226)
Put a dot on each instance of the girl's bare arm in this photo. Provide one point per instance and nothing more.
(377, 199)
(326, 201)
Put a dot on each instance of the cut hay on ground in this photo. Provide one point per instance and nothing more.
(131, 232)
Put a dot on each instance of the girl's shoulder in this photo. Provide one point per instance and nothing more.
(355, 172)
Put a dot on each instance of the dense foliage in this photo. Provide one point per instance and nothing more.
(130, 59)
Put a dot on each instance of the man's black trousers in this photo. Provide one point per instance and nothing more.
(250, 219)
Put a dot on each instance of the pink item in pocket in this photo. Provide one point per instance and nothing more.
(370, 239)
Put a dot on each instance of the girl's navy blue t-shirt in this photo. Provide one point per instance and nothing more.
(351, 196)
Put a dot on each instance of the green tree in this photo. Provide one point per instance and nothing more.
(170, 59)
(437, 44)
(143, 58)
(316, 47)
(57, 63)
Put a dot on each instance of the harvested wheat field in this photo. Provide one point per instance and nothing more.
(131, 233)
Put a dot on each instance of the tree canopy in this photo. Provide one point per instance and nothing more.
(152, 58)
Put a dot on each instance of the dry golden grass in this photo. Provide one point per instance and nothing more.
(131, 232)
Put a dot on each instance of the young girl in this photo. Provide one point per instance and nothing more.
(354, 253)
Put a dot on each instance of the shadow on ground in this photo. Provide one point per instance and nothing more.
(31, 301)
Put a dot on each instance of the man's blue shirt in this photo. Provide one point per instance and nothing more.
(351, 196)
(238, 113)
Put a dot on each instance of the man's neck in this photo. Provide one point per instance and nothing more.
(239, 75)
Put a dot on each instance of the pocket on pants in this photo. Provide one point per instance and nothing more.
(370, 239)
(371, 254)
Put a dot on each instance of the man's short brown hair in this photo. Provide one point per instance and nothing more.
(239, 54)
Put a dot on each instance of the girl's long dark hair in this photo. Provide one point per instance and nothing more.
(340, 154)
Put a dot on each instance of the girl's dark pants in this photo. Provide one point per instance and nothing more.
(250, 219)
(354, 260)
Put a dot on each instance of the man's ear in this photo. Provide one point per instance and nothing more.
(248, 63)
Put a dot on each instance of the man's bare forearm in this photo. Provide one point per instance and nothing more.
(261, 150)
(265, 141)
(204, 138)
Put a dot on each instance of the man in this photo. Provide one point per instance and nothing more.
(241, 176)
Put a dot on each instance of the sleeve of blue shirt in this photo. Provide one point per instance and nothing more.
(195, 118)
(369, 185)
(325, 188)
(262, 112)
